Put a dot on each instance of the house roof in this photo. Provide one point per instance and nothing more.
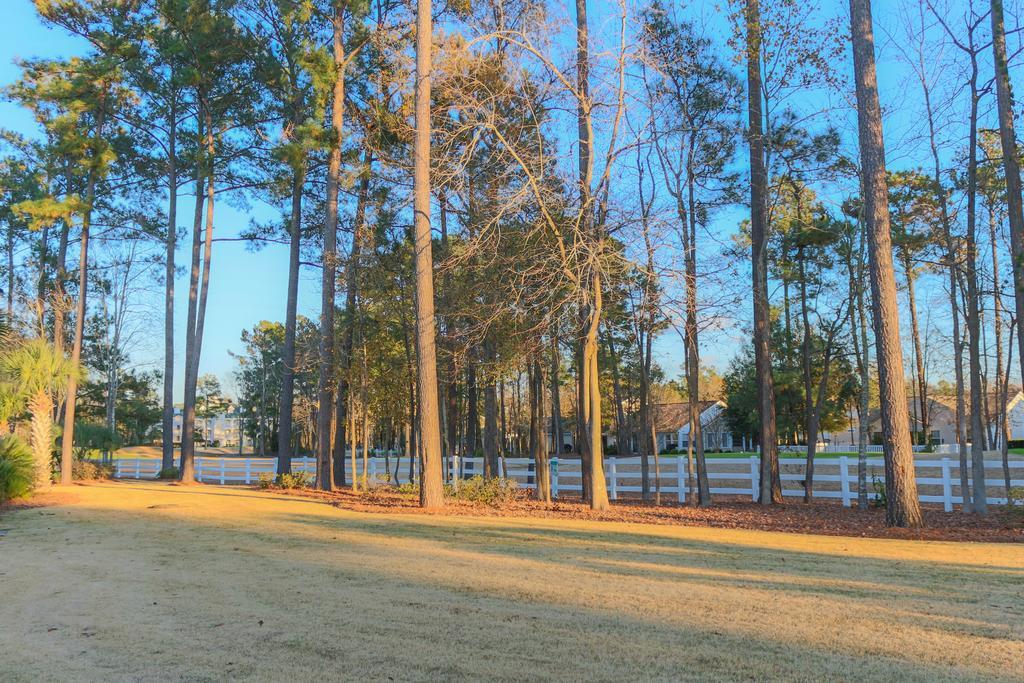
(671, 417)
(945, 403)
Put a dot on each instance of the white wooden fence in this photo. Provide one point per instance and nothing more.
(938, 480)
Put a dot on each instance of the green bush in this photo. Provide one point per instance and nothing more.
(265, 480)
(17, 468)
(409, 488)
(880, 500)
(93, 439)
(168, 473)
(497, 492)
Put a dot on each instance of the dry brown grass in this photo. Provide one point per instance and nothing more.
(142, 581)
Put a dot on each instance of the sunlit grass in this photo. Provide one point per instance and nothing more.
(154, 581)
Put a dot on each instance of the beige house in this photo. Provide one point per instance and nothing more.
(942, 420)
(672, 426)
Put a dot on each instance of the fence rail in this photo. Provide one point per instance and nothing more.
(938, 480)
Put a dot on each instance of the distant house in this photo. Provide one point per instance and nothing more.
(714, 427)
(221, 430)
(942, 420)
(672, 427)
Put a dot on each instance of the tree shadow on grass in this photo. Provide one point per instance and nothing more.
(527, 635)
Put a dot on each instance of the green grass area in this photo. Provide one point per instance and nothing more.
(146, 581)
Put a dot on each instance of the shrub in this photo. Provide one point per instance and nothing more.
(1015, 500)
(880, 500)
(497, 492)
(86, 470)
(409, 488)
(168, 473)
(93, 439)
(295, 480)
(17, 468)
(265, 480)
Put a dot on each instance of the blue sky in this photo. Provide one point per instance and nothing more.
(245, 287)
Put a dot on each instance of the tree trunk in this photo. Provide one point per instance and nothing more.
(621, 430)
(978, 495)
(41, 438)
(538, 446)
(812, 429)
(431, 482)
(287, 397)
(1011, 163)
(325, 383)
(186, 464)
(771, 484)
(68, 438)
(922, 380)
(951, 259)
(351, 296)
(62, 273)
(903, 507)
(590, 396)
(167, 441)
(492, 446)
(859, 335)
(693, 348)
(556, 399)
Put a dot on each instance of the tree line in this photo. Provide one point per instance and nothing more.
(509, 206)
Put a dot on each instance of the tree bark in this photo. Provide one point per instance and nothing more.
(538, 446)
(903, 507)
(351, 299)
(325, 383)
(556, 398)
(1011, 163)
(68, 438)
(590, 395)
(771, 484)
(431, 479)
(194, 333)
(922, 379)
(978, 495)
(492, 446)
(167, 441)
(287, 397)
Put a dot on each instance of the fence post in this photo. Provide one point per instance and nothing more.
(612, 483)
(844, 480)
(755, 472)
(138, 466)
(222, 471)
(947, 487)
(373, 471)
(680, 479)
(248, 471)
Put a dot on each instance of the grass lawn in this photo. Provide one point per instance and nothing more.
(143, 581)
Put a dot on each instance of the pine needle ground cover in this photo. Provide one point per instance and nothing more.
(143, 581)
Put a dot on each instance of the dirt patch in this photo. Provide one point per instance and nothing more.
(825, 518)
(41, 499)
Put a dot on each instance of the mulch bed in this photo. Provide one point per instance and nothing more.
(826, 518)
